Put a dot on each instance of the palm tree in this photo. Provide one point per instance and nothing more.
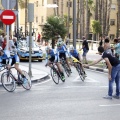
(55, 26)
(108, 17)
(82, 18)
(89, 8)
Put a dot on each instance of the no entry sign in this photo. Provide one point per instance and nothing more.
(8, 17)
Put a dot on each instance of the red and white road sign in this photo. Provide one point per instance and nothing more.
(8, 17)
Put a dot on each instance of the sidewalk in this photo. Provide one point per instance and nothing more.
(37, 75)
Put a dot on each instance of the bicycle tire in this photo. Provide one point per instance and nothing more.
(7, 81)
(54, 74)
(80, 72)
(66, 69)
(28, 84)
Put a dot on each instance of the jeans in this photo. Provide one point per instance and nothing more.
(115, 75)
(85, 51)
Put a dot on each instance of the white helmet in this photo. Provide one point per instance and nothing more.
(60, 40)
(47, 48)
(71, 48)
(1, 48)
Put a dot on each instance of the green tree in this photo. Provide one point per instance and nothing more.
(96, 27)
(55, 26)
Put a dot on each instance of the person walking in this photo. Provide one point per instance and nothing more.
(113, 74)
(38, 38)
(85, 48)
(117, 48)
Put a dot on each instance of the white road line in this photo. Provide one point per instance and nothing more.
(91, 80)
(86, 79)
(112, 105)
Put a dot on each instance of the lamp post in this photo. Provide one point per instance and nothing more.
(74, 23)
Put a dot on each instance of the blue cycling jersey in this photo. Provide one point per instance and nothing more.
(52, 53)
(74, 53)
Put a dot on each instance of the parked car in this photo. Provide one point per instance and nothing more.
(23, 51)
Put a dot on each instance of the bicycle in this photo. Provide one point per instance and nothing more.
(56, 75)
(9, 81)
(65, 66)
(77, 65)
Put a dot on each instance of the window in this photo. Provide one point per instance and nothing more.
(36, 19)
(113, 7)
(112, 22)
(112, 36)
(69, 4)
(36, 3)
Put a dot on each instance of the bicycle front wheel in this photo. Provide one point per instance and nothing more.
(54, 75)
(8, 81)
(27, 84)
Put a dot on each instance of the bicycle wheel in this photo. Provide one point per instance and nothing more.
(8, 81)
(27, 84)
(80, 72)
(66, 69)
(54, 75)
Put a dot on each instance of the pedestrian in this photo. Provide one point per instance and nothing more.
(113, 71)
(1, 40)
(117, 48)
(107, 46)
(101, 41)
(67, 40)
(85, 48)
(38, 38)
(15, 41)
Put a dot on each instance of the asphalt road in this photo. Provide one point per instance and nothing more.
(72, 100)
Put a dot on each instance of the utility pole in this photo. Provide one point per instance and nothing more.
(74, 23)
(30, 20)
(26, 18)
(17, 20)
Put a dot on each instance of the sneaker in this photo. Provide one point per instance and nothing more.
(63, 78)
(107, 97)
(24, 80)
(116, 97)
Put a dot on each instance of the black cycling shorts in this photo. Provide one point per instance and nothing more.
(62, 55)
(52, 59)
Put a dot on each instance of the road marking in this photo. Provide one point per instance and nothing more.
(112, 105)
(86, 79)
(91, 80)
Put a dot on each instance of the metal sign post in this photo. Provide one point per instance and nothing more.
(8, 4)
(7, 28)
(30, 20)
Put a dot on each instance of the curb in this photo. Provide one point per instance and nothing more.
(38, 80)
(97, 69)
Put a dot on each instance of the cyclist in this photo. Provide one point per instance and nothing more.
(12, 60)
(53, 58)
(76, 54)
(63, 52)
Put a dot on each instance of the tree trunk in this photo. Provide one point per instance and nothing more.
(108, 17)
(53, 43)
(87, 19)
(78, 16)
(62, 5)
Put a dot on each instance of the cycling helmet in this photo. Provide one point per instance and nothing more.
(71, 48)
(60, 40)
(1, 48)
(47, 48)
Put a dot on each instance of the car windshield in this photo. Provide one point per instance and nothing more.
(22, 44)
